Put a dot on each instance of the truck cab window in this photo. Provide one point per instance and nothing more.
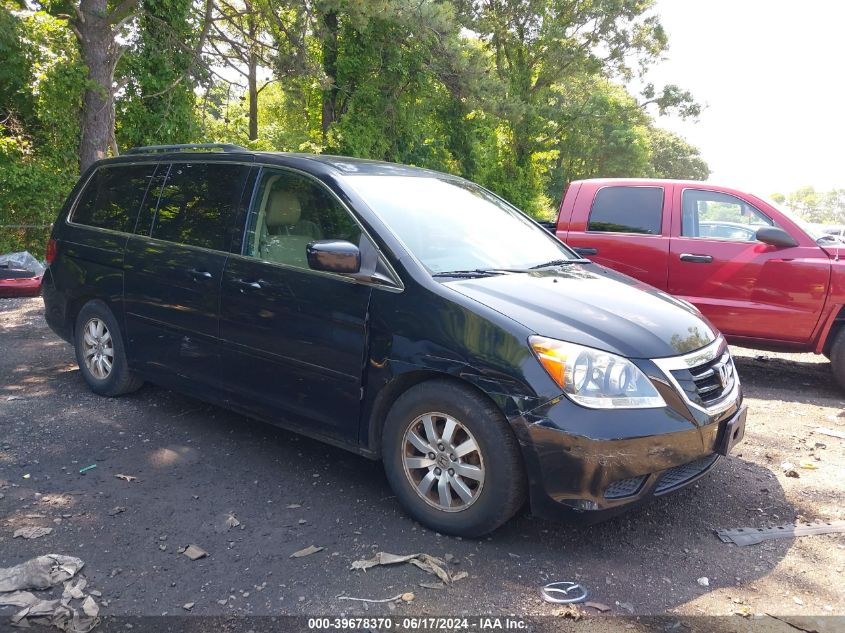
(627, 210)
(720, 216)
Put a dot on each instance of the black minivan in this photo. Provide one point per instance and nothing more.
(407, 315)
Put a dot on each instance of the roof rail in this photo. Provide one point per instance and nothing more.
(151, 149)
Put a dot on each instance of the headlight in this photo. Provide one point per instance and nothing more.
(593, 378)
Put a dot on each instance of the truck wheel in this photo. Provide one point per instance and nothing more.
(837, 357)
(100, 352)
(452, 459)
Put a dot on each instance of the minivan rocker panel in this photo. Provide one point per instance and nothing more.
(484, 373)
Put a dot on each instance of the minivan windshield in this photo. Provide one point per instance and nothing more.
(452, 225)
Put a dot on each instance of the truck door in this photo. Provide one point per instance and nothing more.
(624, 227)
(748, 289)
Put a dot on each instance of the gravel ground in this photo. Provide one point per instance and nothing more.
(196, 465)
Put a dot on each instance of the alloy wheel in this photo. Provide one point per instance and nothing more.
(443, 462)
(98, 348)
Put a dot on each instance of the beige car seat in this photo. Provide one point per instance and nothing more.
(284, 234)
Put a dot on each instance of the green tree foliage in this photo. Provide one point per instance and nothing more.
(157, 105)
(673, 157)
(522, 96)
(821, 207)
(39, 136)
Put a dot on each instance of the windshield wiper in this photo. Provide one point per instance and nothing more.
(476, 272)
(561, 262)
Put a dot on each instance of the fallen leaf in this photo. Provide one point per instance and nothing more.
(126, 477)
(116, 510)
(195, 552)
(459, 576)
(32, 532)
(408, 596)
(598, 606)
(433, 585)
(311, 549)
(294, 506)
(188, 606)
(809, 466)
(232, 521)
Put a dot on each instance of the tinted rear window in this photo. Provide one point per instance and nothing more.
(112, 197)
(197, 204)
(627, 210)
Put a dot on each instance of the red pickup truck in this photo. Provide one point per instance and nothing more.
(763, 277)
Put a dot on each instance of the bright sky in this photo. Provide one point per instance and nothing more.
(772, 75)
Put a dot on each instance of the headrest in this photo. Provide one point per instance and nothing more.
(283, 208)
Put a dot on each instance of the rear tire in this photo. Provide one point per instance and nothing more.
(837, 357)
(475, 480)
(100, 352)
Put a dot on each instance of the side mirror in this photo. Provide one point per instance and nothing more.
(775, 236)
(333, 256)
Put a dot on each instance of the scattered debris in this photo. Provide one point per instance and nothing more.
(393, 599)
(231, 521)
(564, 592)
(830, 432)
(294, 506)
(116, 510)
(32, 532)
(408, 596)
(426, 562)
(598, 606)
(195, 552)
(752, 536)
(704, 581)
(39, 573)
(45, 572)
(433, 585)
(10, 398)
(625, 605)
(311, 549)
(809, 466)
(188, 606)
(569, 611)
(126, 477)
(82, 471)
(27, 476)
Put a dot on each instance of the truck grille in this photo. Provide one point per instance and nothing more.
(707, 383)
(679, 475)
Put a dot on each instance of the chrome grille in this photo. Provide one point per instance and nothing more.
(709, 382)
(679, 475)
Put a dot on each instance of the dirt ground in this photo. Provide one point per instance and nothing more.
(196, 465)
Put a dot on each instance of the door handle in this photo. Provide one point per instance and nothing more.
(252, 285)
(696, 259)
(200, 274)
(586, 250)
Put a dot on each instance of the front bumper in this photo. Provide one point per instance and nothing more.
(589, 465)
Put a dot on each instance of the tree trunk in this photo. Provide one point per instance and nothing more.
(252, 80)
(96, 41)
(330, 24)
(252, 76)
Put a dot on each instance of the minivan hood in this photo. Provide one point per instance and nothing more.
(591, 305)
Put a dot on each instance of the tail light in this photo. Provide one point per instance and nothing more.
(50, 255)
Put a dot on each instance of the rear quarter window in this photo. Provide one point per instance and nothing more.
(197, 204)
(112, 197)
(627, 210)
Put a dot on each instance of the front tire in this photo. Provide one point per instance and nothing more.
(837, 357)
(452, 459)
(100, 352)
